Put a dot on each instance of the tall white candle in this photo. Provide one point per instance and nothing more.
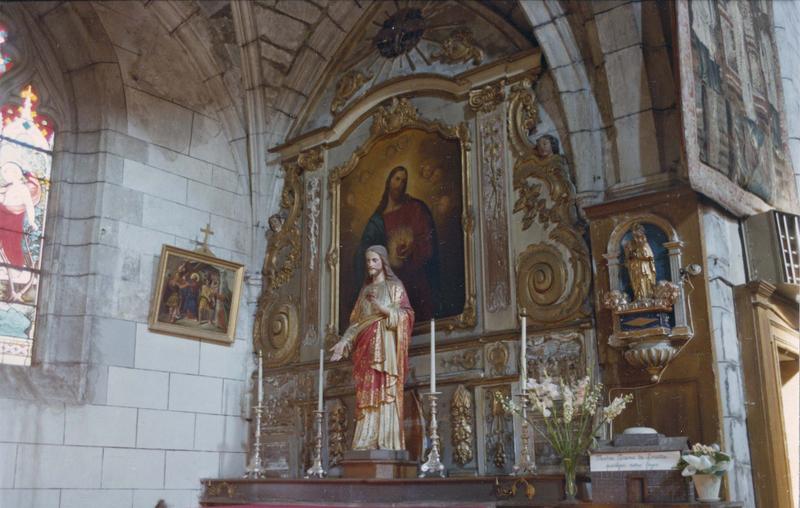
(260, 401)
(523, 353)
(321, 378)
(433, 356)
(523, 370)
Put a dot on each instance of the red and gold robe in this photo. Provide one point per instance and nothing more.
(379, 347)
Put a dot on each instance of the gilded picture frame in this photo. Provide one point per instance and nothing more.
(196, 296)
(397, 127)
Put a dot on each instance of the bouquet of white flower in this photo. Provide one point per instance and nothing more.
(705, 459)
(570, 429)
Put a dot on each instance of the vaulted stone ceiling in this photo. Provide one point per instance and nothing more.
(252, 68)
(298, 40)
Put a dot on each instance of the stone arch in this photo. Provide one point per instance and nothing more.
(612, 65)
(587, 137)
(649, 218)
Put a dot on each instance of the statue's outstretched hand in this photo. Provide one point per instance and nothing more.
(339, 350)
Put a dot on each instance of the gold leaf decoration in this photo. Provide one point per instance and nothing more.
(498, 358)
(347, 86)
(546, 195)
(394, 117)
(461, 422)
(487, 98)
(459, 47)
(280, 265)
(310, 160)
(523, 116)
(337, 430)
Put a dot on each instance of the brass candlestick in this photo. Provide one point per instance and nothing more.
(255, 468)
(433, 466)
(316, 470)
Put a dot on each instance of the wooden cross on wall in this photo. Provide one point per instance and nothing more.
(202, 247)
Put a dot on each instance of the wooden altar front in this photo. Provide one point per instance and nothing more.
(496, 492)
(466, 492)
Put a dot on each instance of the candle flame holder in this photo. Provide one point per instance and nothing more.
(433, 466)
(316, 470)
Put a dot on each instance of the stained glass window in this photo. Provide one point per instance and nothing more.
(26, 144)
(5, 60)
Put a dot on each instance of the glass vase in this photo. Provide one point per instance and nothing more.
(570, 487)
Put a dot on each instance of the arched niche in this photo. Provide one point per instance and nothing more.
(672, 247)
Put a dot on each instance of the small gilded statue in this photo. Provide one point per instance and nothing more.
(640, 264)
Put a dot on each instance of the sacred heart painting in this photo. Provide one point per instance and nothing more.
(196, 295)
(406, 191)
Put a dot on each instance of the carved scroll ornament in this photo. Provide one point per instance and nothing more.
(311, 160)
(276, 324)
(554, 277)
(487, 98)
(523, 116)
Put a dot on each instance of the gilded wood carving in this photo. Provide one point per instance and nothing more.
(347, 86)
(498, 427)
(494, 210)
(553, 278)
(461, 408)
(337, 432)
(498, 356)
(487, 98)
(276, 326)
(523, 116)
(463, 360)
(459, 47)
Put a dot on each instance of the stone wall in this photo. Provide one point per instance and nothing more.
(111, 414)
(725, 269)
(726, 264)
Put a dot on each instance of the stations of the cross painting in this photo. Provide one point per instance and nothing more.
(202, 247)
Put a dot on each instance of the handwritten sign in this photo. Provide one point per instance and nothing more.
(635, 461)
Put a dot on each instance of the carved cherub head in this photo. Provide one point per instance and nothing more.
(276, 223)
(546, 146)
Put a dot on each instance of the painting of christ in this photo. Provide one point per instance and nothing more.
(406, 194)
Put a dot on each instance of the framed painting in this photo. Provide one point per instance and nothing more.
(407, 189)
(196, 295)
